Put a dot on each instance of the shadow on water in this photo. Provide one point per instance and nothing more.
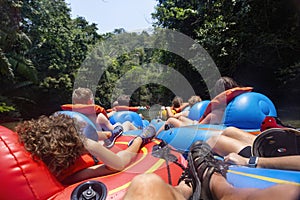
(290, 115)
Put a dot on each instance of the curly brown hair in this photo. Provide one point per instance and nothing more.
(56, 140)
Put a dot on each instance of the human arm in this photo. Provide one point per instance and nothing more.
(108, 157)
(181, 114)
(215, 117)
(284, 162)
(169, 112)
(111, 113)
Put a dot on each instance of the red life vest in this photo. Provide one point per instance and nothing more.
(82, 162)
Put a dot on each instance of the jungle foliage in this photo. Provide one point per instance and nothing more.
(255, 41)
(41, 49)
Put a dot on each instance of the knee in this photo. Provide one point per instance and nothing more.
(174, 122)
(168, 120)
(126, 123)
(212, 141)
(138, 181)
(181, 117)
(144, 180)
(142, 187)
(229, 131)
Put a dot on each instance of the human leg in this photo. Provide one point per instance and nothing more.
(171, 121)
(127, 126)
(102, 135)
(205, 172)
(135, 144)
(186, 121)
(151, 186)
(117, 132)
(103, 122)
(232, 140)
(239, 135)
(224, 145)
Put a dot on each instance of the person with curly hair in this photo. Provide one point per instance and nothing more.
(60, 143)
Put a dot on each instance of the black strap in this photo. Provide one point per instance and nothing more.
(163, 151)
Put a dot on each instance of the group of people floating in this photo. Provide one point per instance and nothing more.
(58, 141)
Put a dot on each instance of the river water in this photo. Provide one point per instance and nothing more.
(287, 116)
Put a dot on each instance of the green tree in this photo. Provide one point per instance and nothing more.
(41, 49)
(257, 42)
(13, 42)
(127, 69)
(59, 46)
(16, 70)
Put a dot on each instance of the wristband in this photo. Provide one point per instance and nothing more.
(253, 161)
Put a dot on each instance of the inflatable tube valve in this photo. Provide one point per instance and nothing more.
(91, 190)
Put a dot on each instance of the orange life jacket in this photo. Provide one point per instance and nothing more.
(86, 109)
(221, 100)
(179, 109)
(123, 108)
(82, 162)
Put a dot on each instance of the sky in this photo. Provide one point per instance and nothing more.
(132, 15)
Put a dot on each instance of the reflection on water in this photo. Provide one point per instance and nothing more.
(294, 123)
(290, 115)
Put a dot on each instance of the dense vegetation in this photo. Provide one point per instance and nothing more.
(42, 48)
(255, 41)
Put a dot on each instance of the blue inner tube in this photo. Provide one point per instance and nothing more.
(89, 130)
(133, 117)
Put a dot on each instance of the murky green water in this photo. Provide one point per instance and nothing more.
(10, 125)
(294, 123)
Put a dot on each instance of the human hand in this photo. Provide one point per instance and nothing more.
(177, 115)
(234, 158)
